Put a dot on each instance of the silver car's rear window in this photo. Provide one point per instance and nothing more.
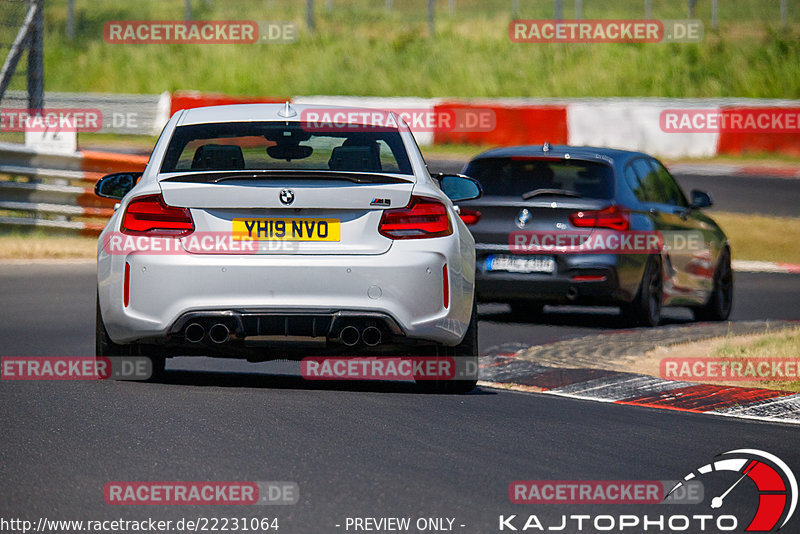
(284, 146)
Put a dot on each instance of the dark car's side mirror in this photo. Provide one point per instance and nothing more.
(459, 187)
(701, 199)
(116, 185)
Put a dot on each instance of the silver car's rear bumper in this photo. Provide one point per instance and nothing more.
(405, 284)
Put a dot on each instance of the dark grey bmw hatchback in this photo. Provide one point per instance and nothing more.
(594, 226)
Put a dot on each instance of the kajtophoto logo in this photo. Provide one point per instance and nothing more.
(766, 505)
(775, 482)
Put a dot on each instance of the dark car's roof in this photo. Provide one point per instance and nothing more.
(611, 155)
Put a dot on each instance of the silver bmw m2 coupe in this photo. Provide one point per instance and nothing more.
(257, 233)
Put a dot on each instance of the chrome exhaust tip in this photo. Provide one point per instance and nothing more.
(194, 333)
(219, 333)
(349, 335)
(371, 336)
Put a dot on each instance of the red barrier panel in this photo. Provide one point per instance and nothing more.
(760, 129)
(518, 125)
(196, 99)
(108, 162)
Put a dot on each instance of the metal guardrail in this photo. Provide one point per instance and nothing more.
(129, 114)
(56, 191)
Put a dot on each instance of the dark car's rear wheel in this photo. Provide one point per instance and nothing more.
(645, 309)
(104, 346)
(720, 303)
(465, 355)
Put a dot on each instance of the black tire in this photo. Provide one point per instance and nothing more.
(466, 354)
(104, 347)
(720, 303)
(526, 309)
(645, 309)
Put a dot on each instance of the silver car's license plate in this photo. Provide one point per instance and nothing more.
(515, 264)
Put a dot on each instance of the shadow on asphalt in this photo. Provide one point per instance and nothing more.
(591, 318)
(281, 381)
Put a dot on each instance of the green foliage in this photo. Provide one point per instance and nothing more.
(361, 49)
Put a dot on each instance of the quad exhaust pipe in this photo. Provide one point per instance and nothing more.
(349, 335)
(219, 333)
(371, 336)
(194, 333)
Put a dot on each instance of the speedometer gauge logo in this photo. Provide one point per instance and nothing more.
(775, 482)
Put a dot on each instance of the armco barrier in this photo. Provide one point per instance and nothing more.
(121, 113)
(56, 191)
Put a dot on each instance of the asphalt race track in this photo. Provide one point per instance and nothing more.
(354, 449)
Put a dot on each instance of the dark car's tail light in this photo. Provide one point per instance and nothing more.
(423, 217)
(470, 216)
(613, 217)
(150, 216)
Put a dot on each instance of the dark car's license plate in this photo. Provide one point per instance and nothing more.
(515, 264)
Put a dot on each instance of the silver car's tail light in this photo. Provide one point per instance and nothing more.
(423, 217)
(150, 216)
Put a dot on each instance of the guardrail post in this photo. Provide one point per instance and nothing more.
(310, 15)
(431, 26)
(36, 59)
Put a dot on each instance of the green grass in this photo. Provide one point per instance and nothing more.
(363, 50)
(37, 244)
(783, 344)
(761, 237)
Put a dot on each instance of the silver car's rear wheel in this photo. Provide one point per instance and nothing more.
(465, 355)
(105, 347)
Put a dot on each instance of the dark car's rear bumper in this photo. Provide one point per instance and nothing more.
(578, 279)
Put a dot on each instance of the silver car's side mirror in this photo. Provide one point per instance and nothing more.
(459, 187)
(116, 185)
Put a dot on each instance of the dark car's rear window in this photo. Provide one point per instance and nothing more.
(516, 176)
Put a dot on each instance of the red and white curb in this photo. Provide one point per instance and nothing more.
(632, 389)
(747, 266)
